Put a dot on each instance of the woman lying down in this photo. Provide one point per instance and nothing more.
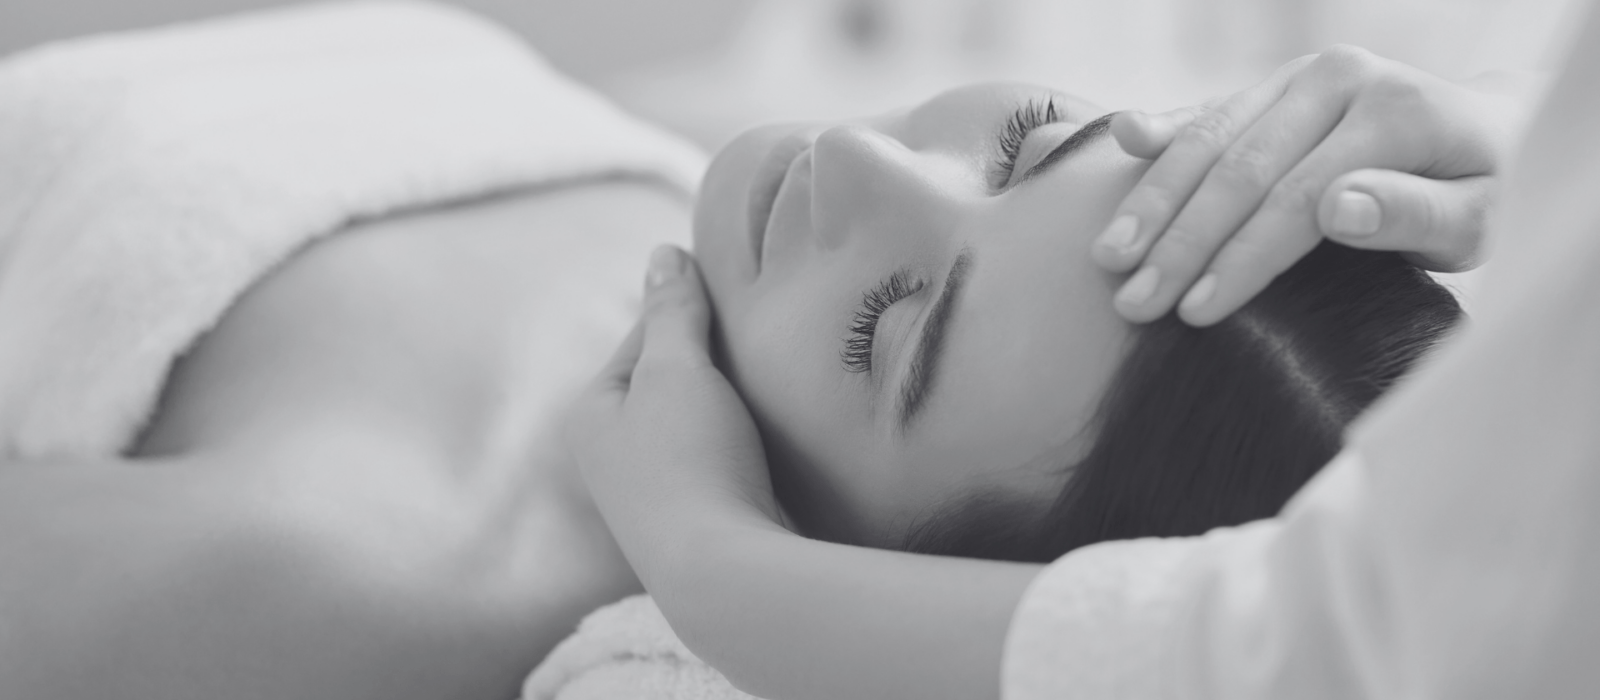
(1452, 549)
(247, 458)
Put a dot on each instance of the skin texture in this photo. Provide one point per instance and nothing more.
(1344, 144)
(350, 490)
(1258, 174)
(912, 191)
(339, 498)
(677, 468)
(781, 616)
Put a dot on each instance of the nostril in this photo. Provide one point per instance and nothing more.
(860, 177)
(852, 154)
(854, 149)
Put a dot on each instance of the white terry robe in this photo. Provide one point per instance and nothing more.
(1451, 551)
(148, 178)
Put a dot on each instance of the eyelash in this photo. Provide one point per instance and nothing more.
(1022, 122)
(857, 353)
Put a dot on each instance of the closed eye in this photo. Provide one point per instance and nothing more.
(1022, 122)
(1085, 135)
(857, 354)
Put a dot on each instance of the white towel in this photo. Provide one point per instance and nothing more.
(148, 178)
(626, 651)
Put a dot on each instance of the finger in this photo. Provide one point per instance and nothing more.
(1439, 224)
(1282, 230)
(1242, 269)
(595, 407)
(677, 315)
(1253, 168)
(1162, 190)
(619, 368)
(1147, 135)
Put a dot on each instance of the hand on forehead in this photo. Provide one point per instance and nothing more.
(1344, 145)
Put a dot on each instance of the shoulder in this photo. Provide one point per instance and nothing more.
(415, 324)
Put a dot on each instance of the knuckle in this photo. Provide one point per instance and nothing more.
(1347, 55)
(1245, 165)
(1343, 64)
(1391, 91)
(1184, 247)
(1211, 129)
(1154, 202)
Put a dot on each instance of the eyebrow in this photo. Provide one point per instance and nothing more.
(930, 345)
(1085, 135)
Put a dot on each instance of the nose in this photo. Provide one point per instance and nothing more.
(862, 177)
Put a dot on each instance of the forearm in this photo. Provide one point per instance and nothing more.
(790, 618)
(188, 580)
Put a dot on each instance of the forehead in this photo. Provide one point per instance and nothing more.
(1034, 341)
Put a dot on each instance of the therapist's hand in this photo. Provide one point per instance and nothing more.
(1344, 145)
(667, 448)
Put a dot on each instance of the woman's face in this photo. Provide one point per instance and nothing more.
(910, 318)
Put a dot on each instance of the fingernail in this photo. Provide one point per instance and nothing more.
(1140, 287)
(665, 263)
(1201, 292)
(1356, 214)
(1121, 235)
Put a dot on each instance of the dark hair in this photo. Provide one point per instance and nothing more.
(1206, 427)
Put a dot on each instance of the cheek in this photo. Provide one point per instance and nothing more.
(1018, 402)
(783, 356)
(815, 418)
(1024, 381)
(785, 332)
(1037, 343)
(771, 359)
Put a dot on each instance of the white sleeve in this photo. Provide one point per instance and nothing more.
(1452, 551)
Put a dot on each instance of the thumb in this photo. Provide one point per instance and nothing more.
(1438, 224)
(677, 315)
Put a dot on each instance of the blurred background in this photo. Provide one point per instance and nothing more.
(708, 68)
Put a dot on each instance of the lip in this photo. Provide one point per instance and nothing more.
(767, 181)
